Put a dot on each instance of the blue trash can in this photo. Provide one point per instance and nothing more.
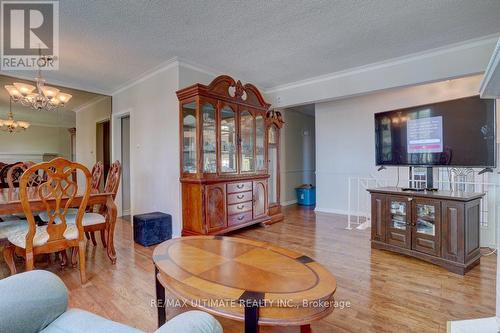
(306, 195)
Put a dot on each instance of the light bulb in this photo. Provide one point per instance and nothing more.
(24, 88)
(50, 92)
(13, 91)
(64, 98)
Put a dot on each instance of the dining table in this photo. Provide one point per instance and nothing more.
(10, 204)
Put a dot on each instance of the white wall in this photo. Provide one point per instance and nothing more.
(86, 121)
(345, 140)
(297, 154)
(154, 139)
(32, 143)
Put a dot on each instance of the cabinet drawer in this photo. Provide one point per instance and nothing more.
(239, 187)
(239, 208)
(239, 218)
(239, 197)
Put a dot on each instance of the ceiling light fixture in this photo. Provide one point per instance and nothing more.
(13, 126)
(44, 97)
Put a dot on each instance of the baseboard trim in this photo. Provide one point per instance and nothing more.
(288, 203)
(337, 211)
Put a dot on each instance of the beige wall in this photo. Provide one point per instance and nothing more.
(297, 154)
(86, 120)
(32, 143)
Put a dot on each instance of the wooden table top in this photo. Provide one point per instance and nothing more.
(216, 273)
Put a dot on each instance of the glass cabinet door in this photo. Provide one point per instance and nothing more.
(259, 143)
(425, 219)
(247, 128)
(209, 138)
(189, 137)
(399, 215)
(227, 140)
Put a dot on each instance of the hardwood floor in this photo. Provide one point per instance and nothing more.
(387, 292)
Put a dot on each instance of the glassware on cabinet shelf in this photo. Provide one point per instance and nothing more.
(209, 139)
(398, 215)
(259, 143)
(189, 137)
(426, 219)
(247, 125)
(228, 140)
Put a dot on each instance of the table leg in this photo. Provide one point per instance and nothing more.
(111, 212)
(160, 301)
(305, 328)
(252, 319)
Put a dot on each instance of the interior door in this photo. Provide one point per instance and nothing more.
(398, 219)
(215, 203)
(259, 198)
(426, 223)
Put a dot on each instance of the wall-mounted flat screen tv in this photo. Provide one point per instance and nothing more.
(458, 133)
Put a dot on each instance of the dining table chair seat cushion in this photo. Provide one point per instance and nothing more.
(44, 216)
(41, 236)
(80, 321)
(88, 219)
(8, 228)
(30, 301)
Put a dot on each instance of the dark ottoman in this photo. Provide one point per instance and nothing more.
(152, 228)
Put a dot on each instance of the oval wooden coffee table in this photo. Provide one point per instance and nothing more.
(246, 280)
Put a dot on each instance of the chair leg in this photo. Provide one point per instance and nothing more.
(87, 235)
(103, 237)
(92, 236)
(64, 258)
(8, 254)
(81, 255)
(30, 261)
(74, 252)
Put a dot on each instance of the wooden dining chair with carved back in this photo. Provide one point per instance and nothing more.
(3, 174)
(92, 221)
(57, 194)
(15, 172)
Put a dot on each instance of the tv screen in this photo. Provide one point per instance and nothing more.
(459, 133)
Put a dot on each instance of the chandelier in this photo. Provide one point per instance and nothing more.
(39, 97)
(10, 125)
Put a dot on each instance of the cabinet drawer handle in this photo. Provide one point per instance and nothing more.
(240, 207)
(241, 217)
(410, 199)
(240, 196)
(240, 186)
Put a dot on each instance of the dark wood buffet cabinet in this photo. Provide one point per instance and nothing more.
(229, 145)
(439, 227)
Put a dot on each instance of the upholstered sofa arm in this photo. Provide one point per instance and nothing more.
(191, 322)
(30, 301)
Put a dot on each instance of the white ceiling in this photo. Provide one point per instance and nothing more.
(105, 44)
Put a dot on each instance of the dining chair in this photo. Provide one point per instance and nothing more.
(15, 171)
(3, 174)
(92, 221)
(96, 175)
(57, 194)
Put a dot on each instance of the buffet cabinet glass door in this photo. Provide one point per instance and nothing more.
(189, 129)
(228, 139)
(209, 136)
(426, 223)
(398, 223)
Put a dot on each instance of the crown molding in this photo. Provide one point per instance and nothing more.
(170, 63)
(490, 86)
(199, 68)
(471, 43)
(90, 103)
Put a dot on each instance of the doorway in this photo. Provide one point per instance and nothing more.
(103, 147)
(125, 152)
(298, 152)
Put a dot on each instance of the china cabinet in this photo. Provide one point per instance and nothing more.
(229, 157)
(440, 227)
